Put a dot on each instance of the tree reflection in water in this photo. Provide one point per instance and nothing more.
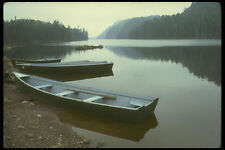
(203, 62)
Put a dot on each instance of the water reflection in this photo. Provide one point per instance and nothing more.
(96, 123)
(41, 51)
(203, 62)
(144, 43)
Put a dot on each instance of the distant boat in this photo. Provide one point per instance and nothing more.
(115, 104)
(48, 60)
(67, 67)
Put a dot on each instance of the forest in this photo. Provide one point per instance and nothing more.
(29, 31)
(201, 20)
(123, 28)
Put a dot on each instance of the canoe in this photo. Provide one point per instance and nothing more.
(49, 60)
(72, 76)
(67, 67)
(119, 105)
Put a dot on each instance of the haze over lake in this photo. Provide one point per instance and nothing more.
(171, 51)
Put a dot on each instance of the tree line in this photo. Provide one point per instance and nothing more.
(28, 31)
(123, 28)
(200, 20)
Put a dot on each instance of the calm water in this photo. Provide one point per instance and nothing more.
(184, 74)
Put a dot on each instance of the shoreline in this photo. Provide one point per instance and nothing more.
(32, 123)
(29, 123)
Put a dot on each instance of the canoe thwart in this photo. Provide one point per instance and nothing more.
(91, 99)
(64, 93)
(22, 75)
(136, 103)
(43, 86)
(103, 95)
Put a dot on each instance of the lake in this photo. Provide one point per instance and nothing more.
(184, 74)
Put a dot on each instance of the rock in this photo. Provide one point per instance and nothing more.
(34, 127)
(31, 99)
(32, 104)
(29, 135)
(59, 139)
(20, 127)
(14, 116)
(78, 146)
(51, 127)
(100, 144)
(86, 141)
(39, 115)
(8, 138)
(24, 102)
(6, 100)
(40, 138)
(54, 146)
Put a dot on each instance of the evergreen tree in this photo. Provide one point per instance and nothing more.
(27, 31)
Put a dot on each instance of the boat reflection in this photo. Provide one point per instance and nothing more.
(108, 126)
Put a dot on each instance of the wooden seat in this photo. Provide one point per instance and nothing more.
(43, 86)
(91, 99)
(64, 93)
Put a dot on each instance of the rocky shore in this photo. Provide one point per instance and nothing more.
(31, 123)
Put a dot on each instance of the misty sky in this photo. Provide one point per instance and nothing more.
(95, 17)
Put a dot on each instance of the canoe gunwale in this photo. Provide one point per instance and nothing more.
(20, 61)
(73, 99)
(113, 93)
(59, 65)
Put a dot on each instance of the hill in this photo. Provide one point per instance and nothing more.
(200, 20)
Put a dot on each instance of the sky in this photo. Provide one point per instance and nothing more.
(94, 17)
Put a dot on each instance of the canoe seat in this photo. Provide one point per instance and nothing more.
(91, 99)
(43, 86)
(64, 93)
(22, 75)
(136, 103)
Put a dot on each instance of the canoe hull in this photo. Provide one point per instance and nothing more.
(117, 113)
(72, 76)
(67, 69)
